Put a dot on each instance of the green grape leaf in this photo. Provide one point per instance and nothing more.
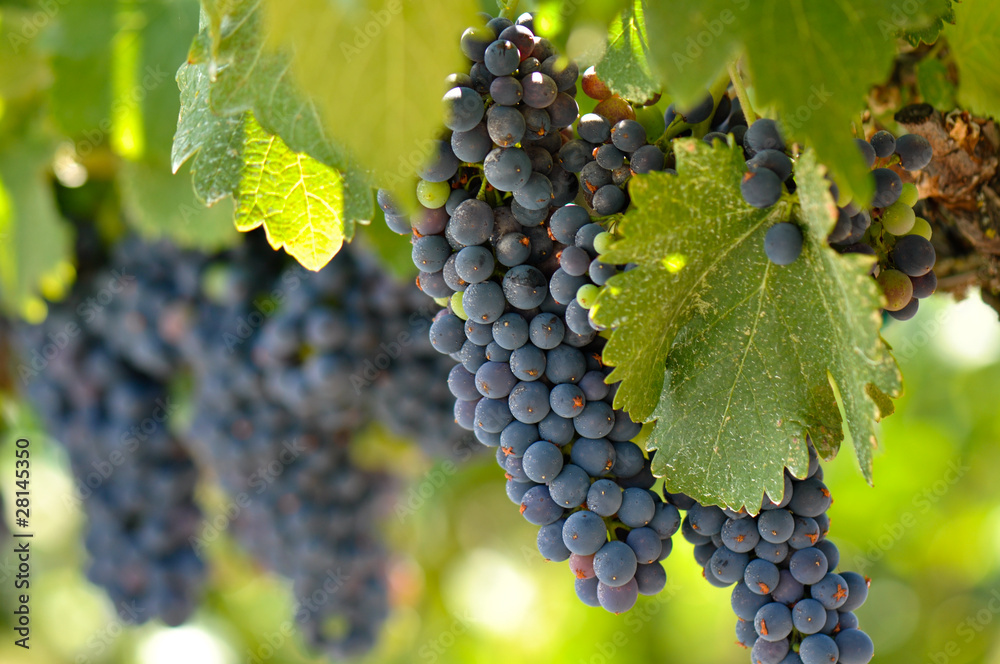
(160, 52)
(625, 67)
(376, 69)
(974, 42)
(557, 20)
(248, 75)
(81, 38)
(930, 32)
(297, 199)
(158, 204)
(34, 240)
(811, 63)
(935, 85)
(215, 141)
(694, 41)
(736, 358)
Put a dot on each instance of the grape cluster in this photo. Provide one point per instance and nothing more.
(791, 606)
(515, 278)
(334, 351)
(134, 478)
(889, 229)
(302, 506)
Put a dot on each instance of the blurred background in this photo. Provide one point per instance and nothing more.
(467, 583)
(88, 107)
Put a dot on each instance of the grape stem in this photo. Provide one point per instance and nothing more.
(508, 8)
(741, 92)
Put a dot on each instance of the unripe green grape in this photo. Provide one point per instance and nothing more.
(433, 194)
(909, 195)
(921, 228)
(898, 218)
(586, 295)
(456, 306)
(602, 242)
(897, 287)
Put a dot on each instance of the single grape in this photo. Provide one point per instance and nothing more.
(529, 402)
(567, 400)
(818, 649)
(536, 194)
(857, 591)
(924, 286)
(763, 134)
(618, 599)
(570, 486)
(506, 125)
(586, 590)
(628, 135)
(767, 652)
(773, 160)
(773, 622)
(594, 455)
(776, 526)
(587, 295)
(483, 302)
(539, 90)
(550, 542)
(783, 243)
(538, 508)
(760, 576)
(524, 286)
(854, 647)
(909, 194)
(808, 566)
(761, 188)
(528, 363)
(507, 169)
(914, 151)
(615, 564)
(604, 497)
(651, 579)
(832, 591)
(922, 228)
(473, 264)
(888, 187)
(896, 286)
(585, 534)
(582, 566)
(502, 57)
(884, 143)
(463, 109)
(608, 200)
(646, 159)
(593, 87)
(811, 498)
(727, 565)
(746, 603)
(475, 40)
(433, 194)
(645, 544)
(867, 151)
(913, 255)
(898, 218)
(789, 591)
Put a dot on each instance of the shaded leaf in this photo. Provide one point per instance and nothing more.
(974, 41)
(625, 67)
(376, 70)
(34, 239)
